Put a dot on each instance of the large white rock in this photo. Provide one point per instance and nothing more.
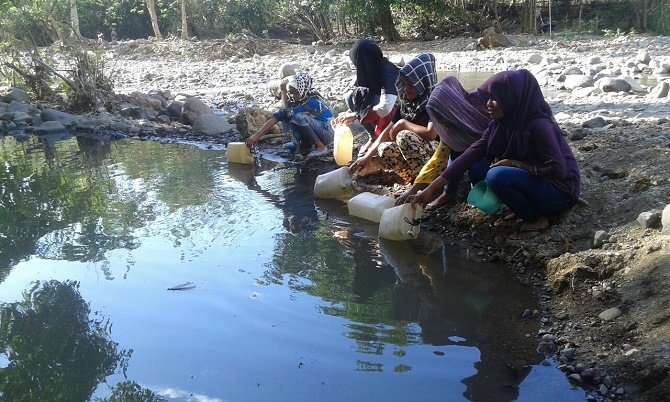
(577, 81)
(211, 124)
(192, 109)
(665, 220)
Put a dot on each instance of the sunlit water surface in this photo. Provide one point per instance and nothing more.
(284, 298)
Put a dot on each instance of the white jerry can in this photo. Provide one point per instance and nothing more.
(401, 222)
(334, 184)
(369, 206)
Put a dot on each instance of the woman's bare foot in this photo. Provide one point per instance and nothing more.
(507, 220)
(541, 224)
(442, 200)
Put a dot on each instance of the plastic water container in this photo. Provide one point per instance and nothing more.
(239, 152)
(334, 184)
(343, 145)
(370, 206)
(400, 223)
(481, 197)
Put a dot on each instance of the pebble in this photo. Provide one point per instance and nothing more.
(610, 314)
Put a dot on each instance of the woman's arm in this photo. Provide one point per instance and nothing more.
(385, 105)
(550, 161)
(427, 133)
(425, 196)
(252, 140)
(361, 162)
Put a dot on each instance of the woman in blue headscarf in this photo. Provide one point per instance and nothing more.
(533, 170)
(305, 114)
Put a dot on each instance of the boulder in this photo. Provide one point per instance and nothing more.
(146, 101)
(608, 84)
(584, 92)
(534, 58)
(491, 39)
(137, 112)
(57, 115)
(288, 69)
(643, 57)
(211, 124)
(249, 120)
(92, 124)
(49, 127)
(15, 106)
(192, 109)
(596, 122)
(577, 81)
(174, 109)
(16, 95)
(665, 220)
(648, 220)
(660, 91)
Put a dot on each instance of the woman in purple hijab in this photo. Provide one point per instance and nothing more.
(533, 170)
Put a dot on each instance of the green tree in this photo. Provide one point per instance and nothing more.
(56, 351)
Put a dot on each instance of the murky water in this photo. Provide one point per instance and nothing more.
(285, 298)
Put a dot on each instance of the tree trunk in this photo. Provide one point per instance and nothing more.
(386, 21)
(494, 5)
(184, 22)
(579, 23)
(74, 18)
(151, 5)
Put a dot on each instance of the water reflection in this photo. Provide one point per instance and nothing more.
(383, 287)
(55, 351)
(475, 305)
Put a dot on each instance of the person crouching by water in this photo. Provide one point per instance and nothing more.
(372, 99)
(533, 170)
(305, 114)
(459, 118)
(407, 144)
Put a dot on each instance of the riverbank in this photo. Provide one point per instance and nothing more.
(600, 273)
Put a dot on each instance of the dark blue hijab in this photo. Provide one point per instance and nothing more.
(369, 60)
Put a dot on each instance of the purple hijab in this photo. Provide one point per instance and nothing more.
(528, 131)
(519, 96)
(459, 117)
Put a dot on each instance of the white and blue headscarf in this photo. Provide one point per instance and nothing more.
(302, 82)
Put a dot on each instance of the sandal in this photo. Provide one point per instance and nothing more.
(318, 152)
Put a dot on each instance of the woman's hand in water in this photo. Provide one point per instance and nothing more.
(251, 141)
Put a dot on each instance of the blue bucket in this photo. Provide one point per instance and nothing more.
(484, 199)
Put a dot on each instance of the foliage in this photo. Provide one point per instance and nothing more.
(416, 18)
(55, 351)
(89, 84)
(43, 22)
